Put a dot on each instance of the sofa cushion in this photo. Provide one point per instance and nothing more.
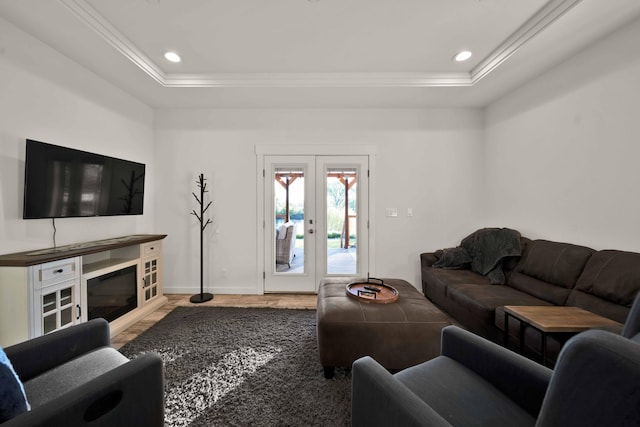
(557, 264)
(554, 262)
(539, 288)
(461, 396)
(436, 280)
(612, 275)
(482, 300)
(446, 277)
(72, 374)
(598, 305)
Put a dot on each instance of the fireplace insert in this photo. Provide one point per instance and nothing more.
(113, 294)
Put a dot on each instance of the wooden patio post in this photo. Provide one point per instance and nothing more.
(346, 212)
(286, 214)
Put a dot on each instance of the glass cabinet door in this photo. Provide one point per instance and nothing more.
(57, 307)
(150, 279)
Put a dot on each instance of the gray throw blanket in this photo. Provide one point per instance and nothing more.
(452, 258)
(488, 247)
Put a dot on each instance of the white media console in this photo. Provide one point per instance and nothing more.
(42, 291)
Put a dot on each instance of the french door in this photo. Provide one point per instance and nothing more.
(316, 220)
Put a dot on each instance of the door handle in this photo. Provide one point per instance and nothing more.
(311, 231)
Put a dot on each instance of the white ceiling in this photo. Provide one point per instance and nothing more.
(322, 53)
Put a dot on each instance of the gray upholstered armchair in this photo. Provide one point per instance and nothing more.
(73, 377)
(478, 383)
(286, 243)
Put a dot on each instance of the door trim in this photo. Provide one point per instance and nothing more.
(263, 150)
(315, 150)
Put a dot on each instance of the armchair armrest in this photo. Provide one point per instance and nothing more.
(379, 399)
(131, 394)
(35, 356)
(595, 383)
(631, 328)
(506, 370)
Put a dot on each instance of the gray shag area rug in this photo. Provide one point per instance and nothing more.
(244, 367)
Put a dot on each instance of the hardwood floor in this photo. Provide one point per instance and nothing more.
(296, 301)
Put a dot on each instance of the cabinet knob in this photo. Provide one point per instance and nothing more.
(60, 270)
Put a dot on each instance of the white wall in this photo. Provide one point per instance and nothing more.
(556, 159)
(562, 152)
(47, 97)
(427, 160)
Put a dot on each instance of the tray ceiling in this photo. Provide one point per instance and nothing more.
(318, 53)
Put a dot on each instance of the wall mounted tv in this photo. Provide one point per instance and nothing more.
(63, 182)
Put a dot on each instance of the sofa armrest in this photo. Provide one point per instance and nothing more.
(35, 356)
(506, 370)
(595, 383)
(427, 259)
(131, 394)
(377, 398)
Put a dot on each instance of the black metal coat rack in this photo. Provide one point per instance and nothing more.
(202, 296)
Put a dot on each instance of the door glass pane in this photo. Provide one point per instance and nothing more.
(342, 220)
(289, 220)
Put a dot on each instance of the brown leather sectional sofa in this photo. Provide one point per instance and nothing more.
(547, 273)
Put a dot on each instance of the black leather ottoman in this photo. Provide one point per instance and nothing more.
(397, 335)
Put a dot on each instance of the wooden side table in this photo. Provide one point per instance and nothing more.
(552, 319)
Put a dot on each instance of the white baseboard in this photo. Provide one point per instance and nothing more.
(192, 290)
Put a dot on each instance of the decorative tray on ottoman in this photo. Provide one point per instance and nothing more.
(372, 290)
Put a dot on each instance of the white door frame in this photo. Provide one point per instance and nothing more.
(263, 150)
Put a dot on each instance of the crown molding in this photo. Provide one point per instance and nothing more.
(297, 80)
(99, 24)
(548, 14)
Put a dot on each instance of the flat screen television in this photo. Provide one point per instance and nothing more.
(62, 182)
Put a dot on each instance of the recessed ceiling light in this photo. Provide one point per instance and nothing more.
(462, 56)
(172, 56)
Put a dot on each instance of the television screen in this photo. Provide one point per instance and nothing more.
(63, 182)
